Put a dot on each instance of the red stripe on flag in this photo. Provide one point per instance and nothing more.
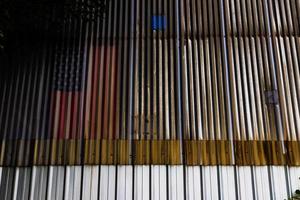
(94, 94)
(74, 115)
(62, 116)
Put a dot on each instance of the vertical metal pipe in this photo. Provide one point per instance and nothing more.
(273, 70)
(178, 71)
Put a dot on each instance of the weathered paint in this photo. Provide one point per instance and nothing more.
(108, 92)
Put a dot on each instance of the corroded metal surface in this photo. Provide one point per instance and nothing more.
(118, 91)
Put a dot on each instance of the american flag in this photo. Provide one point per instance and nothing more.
(97, 90)
(66, 94)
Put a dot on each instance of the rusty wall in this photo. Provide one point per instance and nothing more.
(218, 84)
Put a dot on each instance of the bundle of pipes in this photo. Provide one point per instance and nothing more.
(210, 82)
(159, 182)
